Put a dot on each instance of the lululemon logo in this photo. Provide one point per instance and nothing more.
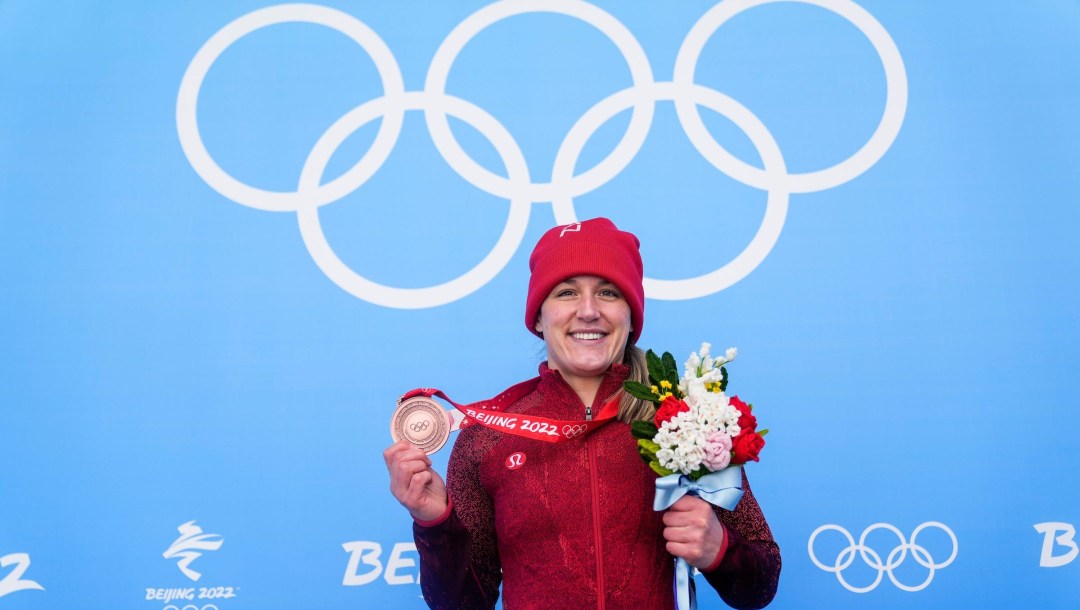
(1057, 534)
(515, 460)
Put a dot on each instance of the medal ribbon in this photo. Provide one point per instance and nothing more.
(488, 413)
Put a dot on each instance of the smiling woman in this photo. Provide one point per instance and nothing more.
(554, 503)
(585, 323)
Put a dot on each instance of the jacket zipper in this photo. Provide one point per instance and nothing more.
(594, 486)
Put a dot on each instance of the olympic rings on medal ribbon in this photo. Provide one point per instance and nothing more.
(517, 187)
(570, 431)
(872, 559)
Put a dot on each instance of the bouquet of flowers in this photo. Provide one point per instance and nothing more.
(697, 428)
(697, 441)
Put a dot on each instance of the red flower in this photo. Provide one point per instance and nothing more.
(669, 408)
(746, 447)
(746, 419)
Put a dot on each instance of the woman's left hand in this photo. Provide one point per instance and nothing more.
(693, 532)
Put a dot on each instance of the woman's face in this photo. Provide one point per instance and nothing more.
(585, 322)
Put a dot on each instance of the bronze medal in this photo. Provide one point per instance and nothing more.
(422, 422)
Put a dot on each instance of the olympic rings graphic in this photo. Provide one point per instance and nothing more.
(892, 561)
(570, 431)
(517, 187)
(420, 426)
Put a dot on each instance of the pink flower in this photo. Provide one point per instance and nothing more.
(717, 451)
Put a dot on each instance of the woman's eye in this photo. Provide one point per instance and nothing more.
(608, 292)
(565, 293)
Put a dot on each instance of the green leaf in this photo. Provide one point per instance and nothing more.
(640, 390)
(700, 472)
(648, 445)
(763, 432)
(723, 382)
(671, 370)
(656, 367)
(643, 429)
(660, 470)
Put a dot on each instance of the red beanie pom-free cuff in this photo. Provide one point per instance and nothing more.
(591, 247)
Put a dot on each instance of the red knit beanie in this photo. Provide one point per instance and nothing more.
(591, 247)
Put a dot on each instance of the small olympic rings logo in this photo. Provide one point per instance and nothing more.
(420, 426)
(895, 557)
(570, 431)
(517, 186)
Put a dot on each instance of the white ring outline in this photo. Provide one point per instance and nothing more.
(891, 119)
(873, 560)
(431, 296)
(776, 204)
(564, 185)
(573, 430)
(187, 125)
(602, 172)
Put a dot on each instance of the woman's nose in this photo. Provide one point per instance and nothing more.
(587, 309)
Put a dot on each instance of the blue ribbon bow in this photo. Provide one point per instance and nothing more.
(722, 488)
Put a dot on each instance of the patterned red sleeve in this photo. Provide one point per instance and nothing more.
(459, 558)
(748, 574)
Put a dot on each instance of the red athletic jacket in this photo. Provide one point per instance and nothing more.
(571, 525)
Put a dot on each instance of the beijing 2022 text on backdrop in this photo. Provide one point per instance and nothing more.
(234, 232)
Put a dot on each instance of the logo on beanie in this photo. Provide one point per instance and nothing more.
(574, 227)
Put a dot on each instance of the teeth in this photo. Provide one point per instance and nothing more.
(586, 335)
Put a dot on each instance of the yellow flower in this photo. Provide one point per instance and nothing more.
(665, 384)
(655, 390)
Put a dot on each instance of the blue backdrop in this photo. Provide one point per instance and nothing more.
(234, 232)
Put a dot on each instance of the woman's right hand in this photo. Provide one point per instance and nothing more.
(414, 483)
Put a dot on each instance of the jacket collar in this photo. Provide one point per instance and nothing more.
(553, 384)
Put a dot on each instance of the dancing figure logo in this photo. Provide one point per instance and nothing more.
(189, 545)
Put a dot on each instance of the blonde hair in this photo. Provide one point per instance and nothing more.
(631, 408)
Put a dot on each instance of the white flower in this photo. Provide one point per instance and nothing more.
(691, 364)
(731, 354)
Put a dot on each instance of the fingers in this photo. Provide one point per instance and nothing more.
(403, 450)
(416, 490)
(413, 482)
(689, 511)
(404, 462)
(692, 531)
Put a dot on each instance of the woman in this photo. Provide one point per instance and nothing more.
(571, 524)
